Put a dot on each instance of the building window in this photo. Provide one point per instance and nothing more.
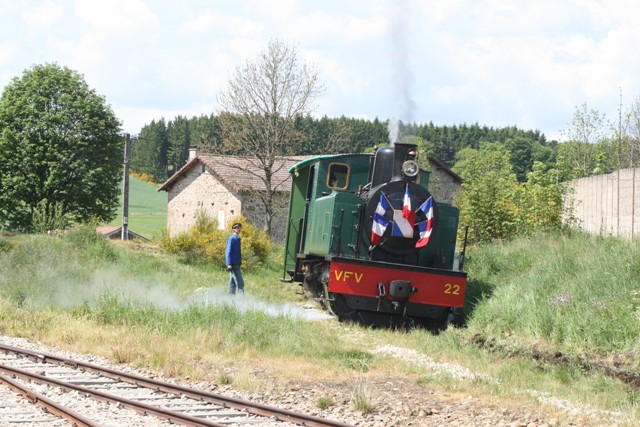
(338, 176)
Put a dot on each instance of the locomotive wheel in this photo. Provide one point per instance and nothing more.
(439, 324)
(341, 309)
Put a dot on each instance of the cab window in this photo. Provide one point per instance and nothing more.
(338, 176)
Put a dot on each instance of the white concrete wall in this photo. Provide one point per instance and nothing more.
(606, 204)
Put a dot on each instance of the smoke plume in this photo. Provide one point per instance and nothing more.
(402, 77)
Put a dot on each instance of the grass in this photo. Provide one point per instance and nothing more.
(147, 209)
(572, 294)
(575, 293)
(324, 402)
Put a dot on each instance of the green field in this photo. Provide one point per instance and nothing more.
(147, 209)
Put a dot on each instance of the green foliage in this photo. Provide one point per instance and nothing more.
(572, 290)
(495, 206)
(6, 244)
(324, 402)
(149, 151)
(362, 399)
(487, 203)
(59, 142)
(91, 243)
(49, 216)
(205, 243)
(542, 200)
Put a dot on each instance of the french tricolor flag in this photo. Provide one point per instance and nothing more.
(380, 221)
(424, 227)
(407, 213)
(404, 221)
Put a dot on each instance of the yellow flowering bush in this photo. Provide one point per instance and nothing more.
(205, 243)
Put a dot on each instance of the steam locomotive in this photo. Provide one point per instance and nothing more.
(367, 239)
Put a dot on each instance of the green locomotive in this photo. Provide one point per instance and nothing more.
(366, 238)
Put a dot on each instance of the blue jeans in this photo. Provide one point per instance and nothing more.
(236, 280)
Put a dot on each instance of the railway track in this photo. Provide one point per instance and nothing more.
(173, 403)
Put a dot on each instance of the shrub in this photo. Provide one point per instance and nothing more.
(91, 243)
(205, 243)
(49, 216)
(5, 245)
(143, 177)
(324, 402)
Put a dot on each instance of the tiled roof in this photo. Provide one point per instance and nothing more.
(115, 231)
(241, 173)
(107, 229)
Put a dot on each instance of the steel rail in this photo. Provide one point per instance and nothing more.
(229, 402)
(48, 404)
(142, 408)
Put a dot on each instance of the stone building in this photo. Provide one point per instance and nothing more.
(444, 184)
(223, 187)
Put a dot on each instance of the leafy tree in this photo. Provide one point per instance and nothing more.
(205, 132)
(542, 202)
(260, 107)
(521, 150)
(631, 149)
(149, 151)
(179, 140)
(489, 191)
(496, 206)
(60, 150)
(577, 156)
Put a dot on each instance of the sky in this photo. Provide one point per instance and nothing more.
(494, 62)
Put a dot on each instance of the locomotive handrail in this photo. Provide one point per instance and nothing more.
(359, 229)
(464, 249)
(339, 240)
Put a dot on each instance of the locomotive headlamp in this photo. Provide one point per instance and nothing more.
(410, 168)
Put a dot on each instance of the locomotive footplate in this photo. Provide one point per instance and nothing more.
(389, 287)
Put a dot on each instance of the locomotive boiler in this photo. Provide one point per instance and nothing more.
(368, 240)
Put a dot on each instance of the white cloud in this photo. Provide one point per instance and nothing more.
(7, 52)
(495, 62)
(118, 18)
(42, 17)
(134, 118)
(234, 26)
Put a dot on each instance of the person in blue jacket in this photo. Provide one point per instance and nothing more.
(234, 259)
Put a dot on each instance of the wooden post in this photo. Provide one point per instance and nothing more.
(125, 188)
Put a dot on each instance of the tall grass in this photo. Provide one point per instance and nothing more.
(574, 291)
(81, 288)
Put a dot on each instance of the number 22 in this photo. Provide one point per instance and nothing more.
(451, 289)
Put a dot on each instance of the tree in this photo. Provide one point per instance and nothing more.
(632, 125)
(149, 153)
(577, 156)
(260, 107)
(179, 139)
(490, 189)
(59, 144)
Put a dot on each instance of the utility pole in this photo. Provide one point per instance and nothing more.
(125, 188)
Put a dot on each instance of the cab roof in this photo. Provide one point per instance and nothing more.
(322, 157)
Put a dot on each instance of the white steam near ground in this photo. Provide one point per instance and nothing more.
(154, 292)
